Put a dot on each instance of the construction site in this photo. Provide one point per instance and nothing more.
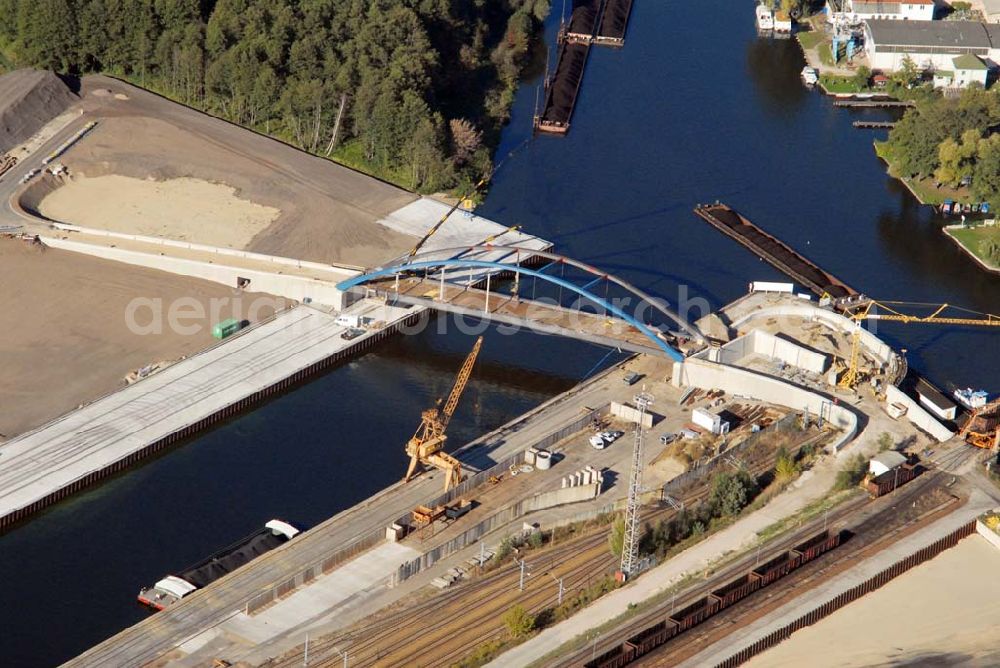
(289, 265)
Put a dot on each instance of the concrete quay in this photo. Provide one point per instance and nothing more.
(104, 437)
(328, 548)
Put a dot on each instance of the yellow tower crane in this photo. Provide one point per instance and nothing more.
(852, 374)
(426, 448)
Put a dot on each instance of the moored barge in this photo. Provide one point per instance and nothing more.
(173, 588)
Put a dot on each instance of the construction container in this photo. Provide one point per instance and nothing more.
(454, 512)
(896, 410)
(225, 328)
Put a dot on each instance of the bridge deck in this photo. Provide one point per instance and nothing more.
(505, 308)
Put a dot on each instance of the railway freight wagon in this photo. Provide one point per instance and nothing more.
(730, 593)
(890, 480)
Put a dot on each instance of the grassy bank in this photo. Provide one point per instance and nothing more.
(977, 240)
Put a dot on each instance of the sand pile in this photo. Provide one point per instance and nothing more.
(28, 100)
(182, 209)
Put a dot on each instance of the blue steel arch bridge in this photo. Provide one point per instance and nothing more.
(492, 283)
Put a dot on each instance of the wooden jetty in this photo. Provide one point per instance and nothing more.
(874, 125)
(775, 252)
(875, 104)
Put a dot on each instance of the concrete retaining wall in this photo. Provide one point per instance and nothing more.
(917, 414)
(338, 272)
(559, 497)
(872, 344)
(769, 345)
(297, 288)
(631, 414)
(988, 533)
(741, 382)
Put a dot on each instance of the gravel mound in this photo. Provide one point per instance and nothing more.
(28, 100)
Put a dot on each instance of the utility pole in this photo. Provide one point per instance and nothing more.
(343, 654)
(630, 546)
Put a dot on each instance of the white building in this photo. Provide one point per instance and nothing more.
(934, 401)
(968, 70)
(713, 422)
(886, 461)
(931, 45)
(855, 11)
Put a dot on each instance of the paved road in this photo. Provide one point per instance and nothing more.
(208, 607)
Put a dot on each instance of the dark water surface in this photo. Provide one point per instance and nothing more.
(694, 108)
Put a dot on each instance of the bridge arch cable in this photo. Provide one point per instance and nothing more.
(456, 258)
(454, 254)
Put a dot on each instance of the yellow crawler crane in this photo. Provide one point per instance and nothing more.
(426, 448)
(852, 375)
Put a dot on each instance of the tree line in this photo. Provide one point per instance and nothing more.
(952, 141)
(413, 90)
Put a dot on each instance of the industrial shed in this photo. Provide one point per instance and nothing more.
(932, 45)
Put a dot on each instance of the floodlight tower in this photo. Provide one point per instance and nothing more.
(630, 546)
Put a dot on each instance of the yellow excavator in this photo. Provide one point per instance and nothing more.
(426, 448)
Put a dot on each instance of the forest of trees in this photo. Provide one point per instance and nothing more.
(425, 85)
(950, 140)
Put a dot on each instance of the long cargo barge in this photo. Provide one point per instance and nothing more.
(563, 89)
(584, 22)
(614, 23)
(775, 252)
(601, 22)
(719, 599)
(173, 588)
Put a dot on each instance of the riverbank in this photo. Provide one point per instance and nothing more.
(976, 241)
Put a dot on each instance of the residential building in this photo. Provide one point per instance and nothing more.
(855, 11)
(968, 70)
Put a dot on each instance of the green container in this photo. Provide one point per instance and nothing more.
(223, 329)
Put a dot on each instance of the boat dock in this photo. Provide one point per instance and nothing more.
(874, 125)
(116, 431)
(592, 22)
(775, 252)
(874, 104)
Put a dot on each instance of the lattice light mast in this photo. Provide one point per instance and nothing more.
(630, 546)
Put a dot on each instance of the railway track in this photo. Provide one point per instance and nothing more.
(876, 522)
(442, 630)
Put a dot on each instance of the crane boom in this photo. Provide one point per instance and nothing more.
(460, 382)
(426, 448)
(852, 374)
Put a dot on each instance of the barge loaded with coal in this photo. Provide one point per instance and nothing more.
(602, 22)
(173, 588)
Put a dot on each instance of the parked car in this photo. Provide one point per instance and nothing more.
(631, 378)
(667, 439)
(352, 333)
(598, 442)
(611, 436)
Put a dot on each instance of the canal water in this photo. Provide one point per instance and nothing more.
(695, 108)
